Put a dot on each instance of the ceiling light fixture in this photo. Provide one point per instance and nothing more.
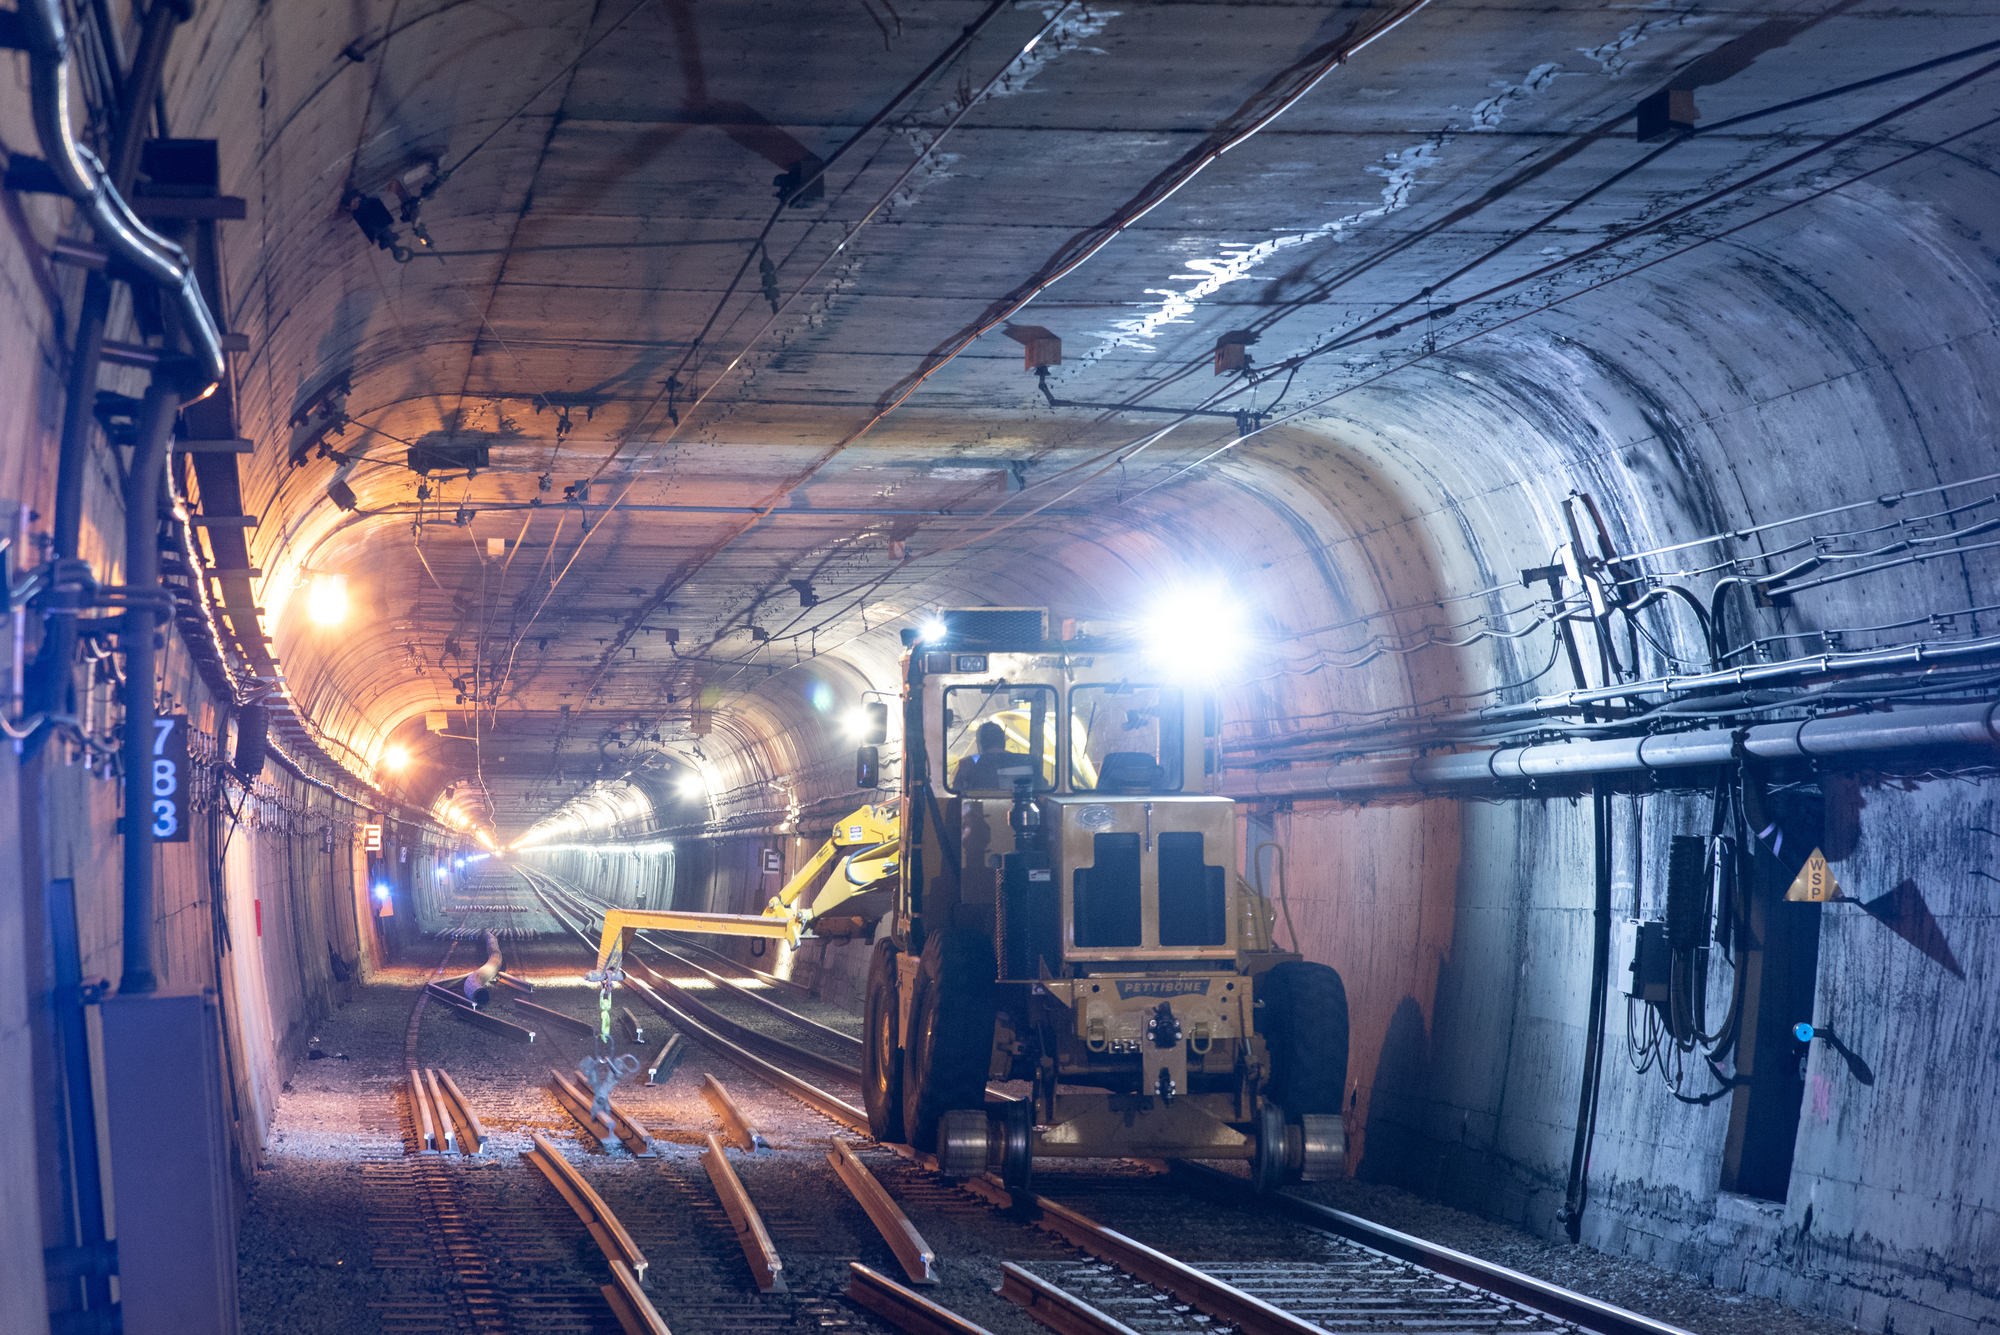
(326, 600)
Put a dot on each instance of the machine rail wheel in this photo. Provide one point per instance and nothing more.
(881, 1060)
(1267, 1168)
(1304, 1024)
(950, 1042)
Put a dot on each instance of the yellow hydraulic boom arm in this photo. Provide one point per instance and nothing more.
(864, 840)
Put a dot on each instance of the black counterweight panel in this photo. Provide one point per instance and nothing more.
(1193, 911)
(1107, 894)
(1029, 919)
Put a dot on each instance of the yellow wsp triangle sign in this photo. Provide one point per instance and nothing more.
(1814, 883)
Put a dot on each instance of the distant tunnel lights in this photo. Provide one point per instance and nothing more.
(326, 600)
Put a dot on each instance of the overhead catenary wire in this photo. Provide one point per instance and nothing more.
(1135, 447)
(1118, 456)
(951, 53)
(1544, 307)
(1318, 290)
(1303, 78)
(1357, 333)
(672, 382)
(1266, 106)
(1164, 186)
(446, 173)
(883, 199)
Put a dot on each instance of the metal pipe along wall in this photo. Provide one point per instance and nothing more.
(1860, 734)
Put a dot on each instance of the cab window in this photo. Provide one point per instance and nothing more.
(993, 731)
(1127, 736)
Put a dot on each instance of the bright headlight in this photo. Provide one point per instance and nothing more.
(1198, 634)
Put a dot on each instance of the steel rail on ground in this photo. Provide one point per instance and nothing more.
(1587, 1312)
(1073, 1316)
(688, 1022)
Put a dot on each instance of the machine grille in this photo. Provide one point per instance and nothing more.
(998, 628)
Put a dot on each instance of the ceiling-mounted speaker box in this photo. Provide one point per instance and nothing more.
(1663, 115)
(1232, 350)
(253, 730)
(1041, 347)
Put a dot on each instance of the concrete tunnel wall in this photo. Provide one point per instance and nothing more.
(1860, 368)
(248, 907)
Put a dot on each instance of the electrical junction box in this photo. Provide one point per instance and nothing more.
(1640, 956)
(167, 1115)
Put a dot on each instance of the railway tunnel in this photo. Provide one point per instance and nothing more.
(1523, 483)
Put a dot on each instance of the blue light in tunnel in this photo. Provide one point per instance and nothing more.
(821, 696)
(443, 872)
(381, 892)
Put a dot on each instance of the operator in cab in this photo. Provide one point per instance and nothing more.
(988, 771)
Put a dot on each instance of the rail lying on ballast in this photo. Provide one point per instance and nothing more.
(1395, 1254)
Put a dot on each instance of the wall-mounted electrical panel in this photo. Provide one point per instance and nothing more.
(1639, 957)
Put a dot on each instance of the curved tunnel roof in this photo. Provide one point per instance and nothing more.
(707, 500)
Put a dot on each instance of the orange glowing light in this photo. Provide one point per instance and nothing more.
(326, 602)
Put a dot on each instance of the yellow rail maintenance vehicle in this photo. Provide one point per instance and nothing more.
(1057, 906)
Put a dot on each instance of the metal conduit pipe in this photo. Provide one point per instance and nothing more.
(78, 395)
(142, 571)
(96, 196)
(478, 985)
(52, 664)
(1857, 734)
(1891, 667)
(1764, 674)
(142, 87)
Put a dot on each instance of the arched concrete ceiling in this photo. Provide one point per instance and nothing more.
(610, 170)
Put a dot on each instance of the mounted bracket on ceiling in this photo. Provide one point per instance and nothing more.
(1044, 349)
(1246, 421)
(322, 414)
(1669, 112)
(1232, 351)
(1041, 347)
(803, 183)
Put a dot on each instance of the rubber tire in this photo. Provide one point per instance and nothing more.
(1017, 1147)
(1304, 1024)
(881, 1048)
(949, 1045)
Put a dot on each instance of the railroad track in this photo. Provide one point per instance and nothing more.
(468, 1248)
(1349, 1274)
